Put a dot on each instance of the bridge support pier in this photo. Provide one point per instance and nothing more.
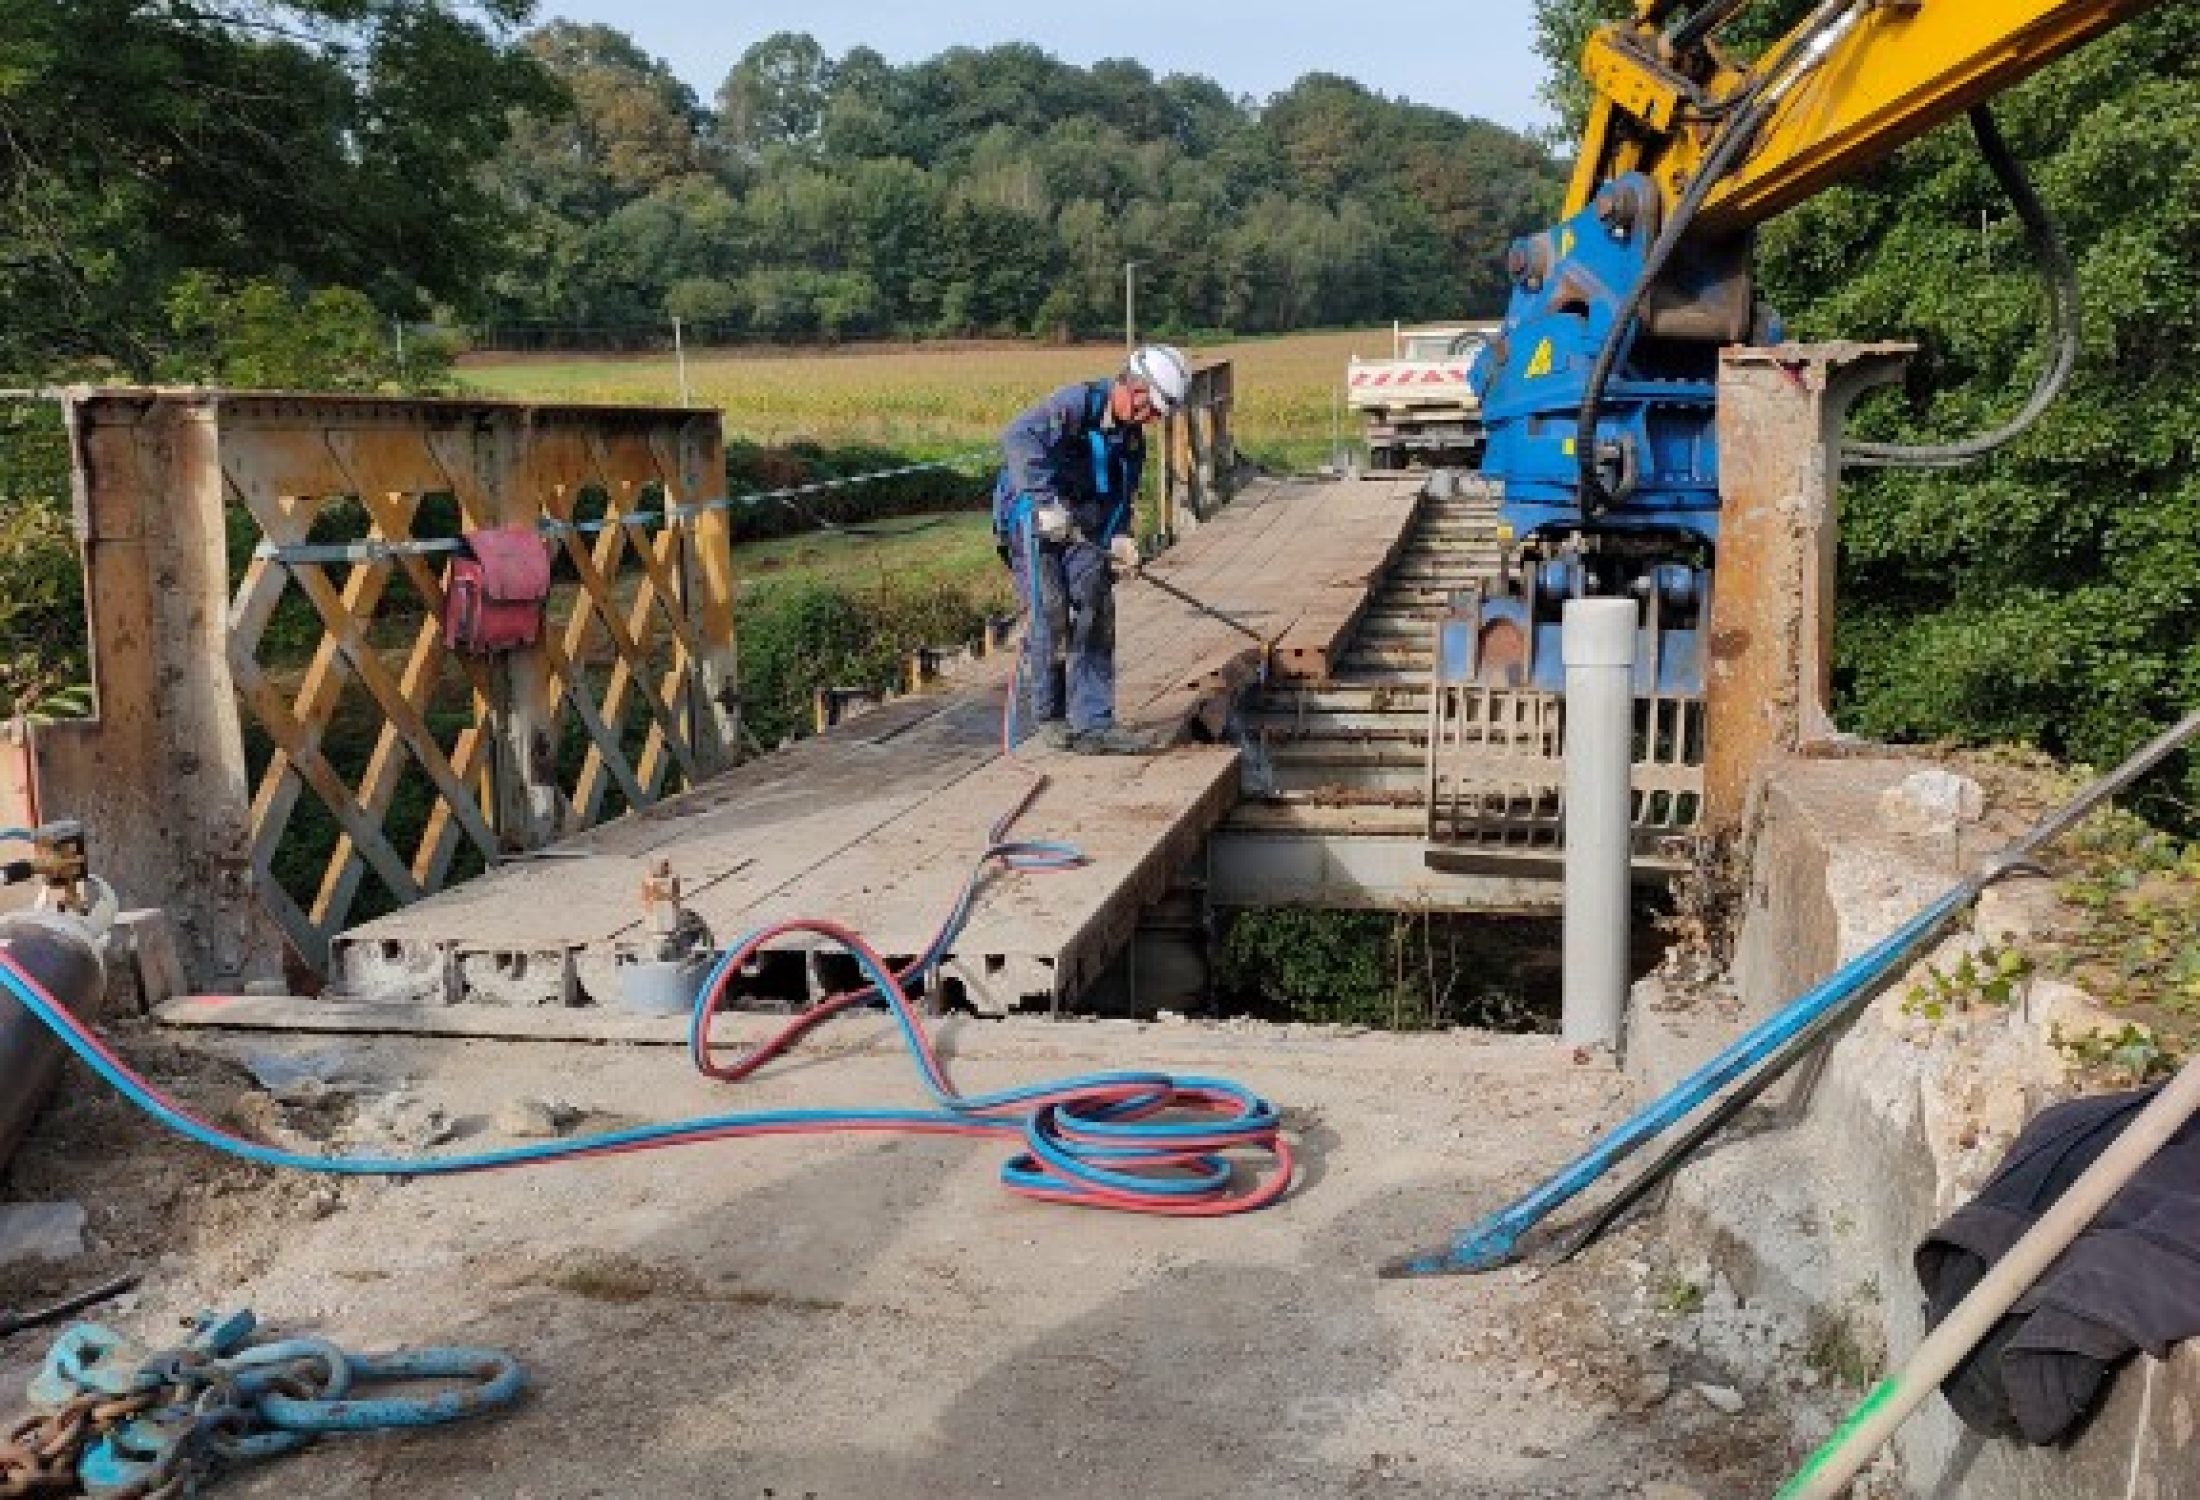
(1782, 412)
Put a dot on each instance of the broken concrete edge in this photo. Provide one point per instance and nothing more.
(52, 1233)
(1800, 1233)
(958, 1037)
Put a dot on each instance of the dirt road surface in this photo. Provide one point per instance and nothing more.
(868, 1317)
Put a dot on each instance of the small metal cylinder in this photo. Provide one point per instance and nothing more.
(1599, 649)
(61, 953)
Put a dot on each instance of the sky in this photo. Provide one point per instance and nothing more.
(1470, 56)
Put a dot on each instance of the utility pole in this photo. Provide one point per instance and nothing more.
(398, 325)
(679, 354)
(1130, 305)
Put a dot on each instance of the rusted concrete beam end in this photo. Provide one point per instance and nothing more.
(1782, 412)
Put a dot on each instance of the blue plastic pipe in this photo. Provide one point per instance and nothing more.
(1494, 1241)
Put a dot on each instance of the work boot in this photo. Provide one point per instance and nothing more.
(1054, 734)
(1112, 739)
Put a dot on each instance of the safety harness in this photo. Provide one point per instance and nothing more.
(1012, 521)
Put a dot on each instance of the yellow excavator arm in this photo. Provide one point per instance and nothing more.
(1889, 71)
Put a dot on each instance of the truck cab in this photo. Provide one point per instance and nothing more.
(1418, 407)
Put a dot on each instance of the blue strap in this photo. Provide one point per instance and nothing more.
(1103, 475)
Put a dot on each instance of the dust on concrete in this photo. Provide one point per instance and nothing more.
(867, 1316)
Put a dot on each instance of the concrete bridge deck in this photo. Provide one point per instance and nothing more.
(875, 822)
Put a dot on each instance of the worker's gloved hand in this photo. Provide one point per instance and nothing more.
(1052, 522)
(1124, 554)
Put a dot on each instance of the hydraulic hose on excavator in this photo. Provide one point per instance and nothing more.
(1748, 115)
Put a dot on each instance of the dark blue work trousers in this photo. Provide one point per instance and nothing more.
(1069, 642)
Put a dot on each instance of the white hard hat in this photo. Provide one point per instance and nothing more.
(1166, 374)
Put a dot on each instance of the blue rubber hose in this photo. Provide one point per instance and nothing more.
(1494, 1241)
(1076, 1134)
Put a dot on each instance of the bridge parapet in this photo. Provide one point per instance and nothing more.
(1199, 452)
(284, 743)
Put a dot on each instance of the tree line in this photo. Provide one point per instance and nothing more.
(205, 190)
(991, 191)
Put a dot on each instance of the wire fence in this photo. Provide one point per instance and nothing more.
(379, 549)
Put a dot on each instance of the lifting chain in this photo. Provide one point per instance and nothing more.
(120, 1423)
(40, 1454)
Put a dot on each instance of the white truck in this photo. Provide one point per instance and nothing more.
(1417, 405)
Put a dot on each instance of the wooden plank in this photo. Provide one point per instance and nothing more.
(603, 603)
(670, 731)
(877, 823)
(898, 886)
(762, 824)
(389, 695)
(568, 682)
(439, 840)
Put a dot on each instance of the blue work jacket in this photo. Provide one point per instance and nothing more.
(1066, 448)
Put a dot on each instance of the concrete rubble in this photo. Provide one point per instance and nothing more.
(1800, 1224)
(40, 1232)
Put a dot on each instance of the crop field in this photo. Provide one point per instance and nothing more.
(924, 551)
(931, 400)
(842, 605)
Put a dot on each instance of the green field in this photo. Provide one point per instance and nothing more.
(921, 550)
(935, 399)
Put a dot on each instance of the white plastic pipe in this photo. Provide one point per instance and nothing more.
(1827, 1473)
(1599, 649)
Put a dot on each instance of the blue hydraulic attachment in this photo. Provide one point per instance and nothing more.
(1649, 527)
(1654, 439)
(1668, 657)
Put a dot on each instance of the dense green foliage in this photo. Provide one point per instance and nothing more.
(804, 634)
(1404, 971)
(242, 193)
(994, 191)
(308, 143)
(2052, 594)
(42, 667)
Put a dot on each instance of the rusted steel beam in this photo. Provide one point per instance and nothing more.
(159, 777)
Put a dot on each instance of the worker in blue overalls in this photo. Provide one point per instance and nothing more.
(1063, 512)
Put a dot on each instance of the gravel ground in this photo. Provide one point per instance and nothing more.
(864, 1316)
